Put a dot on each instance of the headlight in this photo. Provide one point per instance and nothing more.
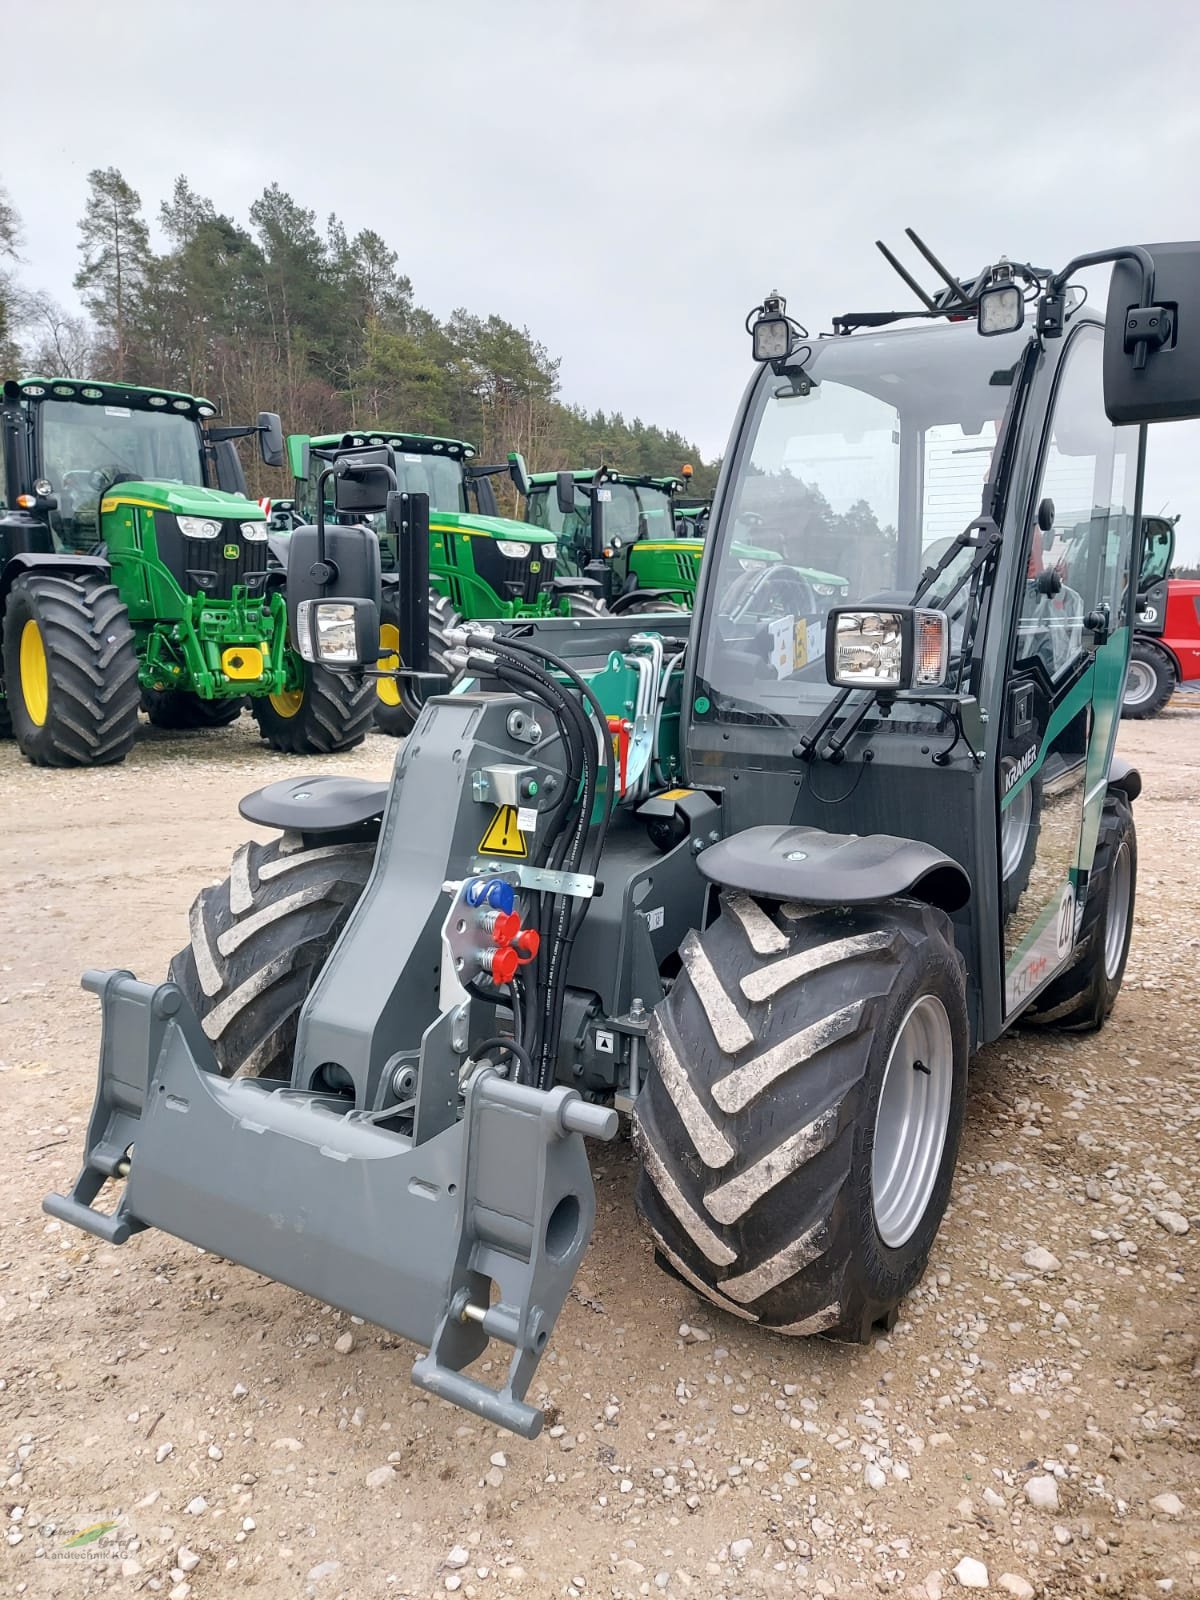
(43, 487)
(550, 551)
(326, 632)
(199, 528)
(1001, 309)
(753, 563)
(901, 649)
(826, 588)
(514, 549)
(255, 532)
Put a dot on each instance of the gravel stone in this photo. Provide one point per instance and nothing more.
(1042, 1492)
(971, 1574)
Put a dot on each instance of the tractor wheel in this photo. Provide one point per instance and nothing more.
(70, 671)
(1020, 827)
(646, 607)
(1081, 998)
(1151, 681)
(179, 708)
(587, 605)
(258, 941)
(332, 711)
(799, 1126)
(397, 707)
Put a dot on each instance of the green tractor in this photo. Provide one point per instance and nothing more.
(643, 554)
(135, 572)
(481, 565)
(767, 899)
(641, 561)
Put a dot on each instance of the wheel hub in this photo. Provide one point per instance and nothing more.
(911, 1120)
(1116, 919)
(1139, 685)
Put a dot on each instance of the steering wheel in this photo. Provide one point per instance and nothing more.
(795, 590)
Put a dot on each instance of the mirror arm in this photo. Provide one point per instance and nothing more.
(322, 571)
(1052, 307)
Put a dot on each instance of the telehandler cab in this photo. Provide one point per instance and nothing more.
(766, 898)
(135, 571)
(1166, 640)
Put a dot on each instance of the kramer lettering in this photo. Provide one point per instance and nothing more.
(1020, 768)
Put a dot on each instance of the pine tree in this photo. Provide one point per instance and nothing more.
(114, 243)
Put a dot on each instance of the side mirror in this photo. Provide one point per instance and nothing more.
(230, 476)
(361, 482)
(903, 647)
(564, 490)
(1152, 353)
(519, 473)
(342, 635)
(270, 439)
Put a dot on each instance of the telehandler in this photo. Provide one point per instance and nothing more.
(1166, 640)
(691, 868)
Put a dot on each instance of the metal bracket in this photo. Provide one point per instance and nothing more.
(580, 885)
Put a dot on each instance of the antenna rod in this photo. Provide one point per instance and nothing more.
(951, 283)
(906, 275)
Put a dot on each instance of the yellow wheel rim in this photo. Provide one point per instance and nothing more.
(35, 678)
(388, 689)
(288, 703)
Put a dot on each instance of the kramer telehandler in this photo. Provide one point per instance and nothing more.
(134, 570)
(687, 867)
(481, 565)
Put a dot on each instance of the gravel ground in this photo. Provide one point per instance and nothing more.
(1029, 1425)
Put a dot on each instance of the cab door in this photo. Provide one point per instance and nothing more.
(1069, 648)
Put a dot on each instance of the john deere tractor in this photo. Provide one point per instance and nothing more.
(134, 571)
(756, 895)
(646, 557)
(481, 565)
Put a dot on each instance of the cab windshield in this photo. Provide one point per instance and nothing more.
(440, 477)
(632, 511)
(86, 449)
(862, 469)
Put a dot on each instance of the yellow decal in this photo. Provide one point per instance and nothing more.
(674, 794)
(503, 837)
(800, 644)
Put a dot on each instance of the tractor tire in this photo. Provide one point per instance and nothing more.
(1150, 683)
(70, 671)
(332, 712)
(640, 608)
(1020, 829)
(587, 605)
(1080, 999)
(180, 709)
(396, 706)
(258, 941)
(800, 1122)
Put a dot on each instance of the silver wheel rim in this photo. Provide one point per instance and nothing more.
(911, 1120)
(1014, 829)
(1117, 918)
(1140, 684)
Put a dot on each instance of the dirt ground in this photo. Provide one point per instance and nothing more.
(1036, 1417)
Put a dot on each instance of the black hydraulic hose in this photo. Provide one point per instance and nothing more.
(567, 922)
(510, 1046)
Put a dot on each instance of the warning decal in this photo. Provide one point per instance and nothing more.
(503, 837)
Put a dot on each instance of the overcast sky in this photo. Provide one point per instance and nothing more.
(627, 177)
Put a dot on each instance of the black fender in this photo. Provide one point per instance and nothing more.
(835, 869)
(1123, 775)
(576, 585)
(326, 804)
(61, 564)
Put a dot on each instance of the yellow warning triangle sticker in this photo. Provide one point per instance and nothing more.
(503, 837)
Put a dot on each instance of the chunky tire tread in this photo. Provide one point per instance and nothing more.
(258, 941)
(337, 713)
(587, 605)
(92, 717)
(755, 1125)
(1163, 668)
(1080, 999)
(399, 721)
(180, 709)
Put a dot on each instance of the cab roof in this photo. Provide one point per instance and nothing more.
(607, 475)
(417, 443)
(97, 391)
